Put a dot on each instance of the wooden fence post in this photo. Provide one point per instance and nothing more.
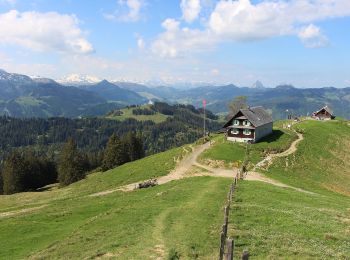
(227, 209)
(230, 249)
(222, 245)
(245, 255)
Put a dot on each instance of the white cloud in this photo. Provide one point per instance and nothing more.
(190, 9)
(176, 41)
(312, 37)
(128, 11)
(243, 20)
(43, 32)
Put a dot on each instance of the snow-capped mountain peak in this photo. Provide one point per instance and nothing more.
(77, 79)
(13, 77)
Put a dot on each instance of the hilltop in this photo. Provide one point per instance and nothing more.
(183, 217)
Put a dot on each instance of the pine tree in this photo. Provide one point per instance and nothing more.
(115, 154)
(14, 174)
(1, 183)
(134, 146)
(71, 166)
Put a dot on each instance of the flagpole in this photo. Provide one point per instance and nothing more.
(204, 122)
(204, 103)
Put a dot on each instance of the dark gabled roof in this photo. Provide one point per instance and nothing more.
(258, 116)
(326, 108)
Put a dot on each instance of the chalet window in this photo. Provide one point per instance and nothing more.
(235, 131)
(246, 123)
(235, 122)
(246, 132)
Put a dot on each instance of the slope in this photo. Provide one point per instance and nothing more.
(178, 218)
(303, 211)
(322, 162)
(275, 222)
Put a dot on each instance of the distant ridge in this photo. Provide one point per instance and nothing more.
(258, 85)
(112, 92)
(23, 96)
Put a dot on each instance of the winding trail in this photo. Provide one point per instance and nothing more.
(292, 149)
(267, 161)
(182, 170)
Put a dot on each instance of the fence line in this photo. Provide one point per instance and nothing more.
(227, 244)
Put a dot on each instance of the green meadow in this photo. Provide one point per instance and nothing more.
(127, 113)
(273, 222)
(182, 219)
(229, 152)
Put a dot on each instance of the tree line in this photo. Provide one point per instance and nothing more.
(26, 171)
(100, 143)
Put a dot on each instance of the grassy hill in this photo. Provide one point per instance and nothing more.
(68, 223)
(230, 152)
(183, 218)
(274, 222)
(127, 113)
(322, 161)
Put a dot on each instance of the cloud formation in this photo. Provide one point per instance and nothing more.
(242, 20)
(44, 32)
(190, 10)
(312, 37)
(128, 11)
(176, 41)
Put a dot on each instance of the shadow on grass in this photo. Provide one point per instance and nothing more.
(273, 137)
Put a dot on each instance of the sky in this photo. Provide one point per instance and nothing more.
(301, 42)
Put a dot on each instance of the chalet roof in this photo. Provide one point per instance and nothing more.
(326, 108)
(258, 116)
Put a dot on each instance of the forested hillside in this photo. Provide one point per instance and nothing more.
(31, 148)
(183, 125)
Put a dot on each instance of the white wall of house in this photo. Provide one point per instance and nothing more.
(239, 140)
(263, 131)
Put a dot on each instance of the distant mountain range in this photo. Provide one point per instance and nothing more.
(22, 96)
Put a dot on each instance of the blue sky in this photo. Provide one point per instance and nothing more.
(301, 42)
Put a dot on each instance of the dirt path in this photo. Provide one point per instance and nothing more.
(159, 249)
(181, 171)
(255, 176)
(185, 165)
(20, 212)
(265, 163)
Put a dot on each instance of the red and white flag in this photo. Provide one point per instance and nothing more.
(204, 103)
